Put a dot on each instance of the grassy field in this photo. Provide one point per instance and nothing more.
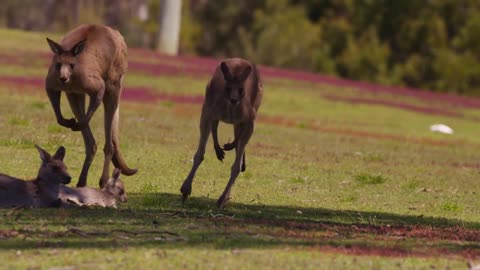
(337, 178)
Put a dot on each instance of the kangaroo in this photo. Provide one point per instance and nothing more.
(233, 96)
(90, 60)
(42, 191)
(106, 197)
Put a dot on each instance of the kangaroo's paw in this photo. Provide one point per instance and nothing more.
(79, 126)
(229, 146)
(68, 123)
(220, 153)
(244, 167)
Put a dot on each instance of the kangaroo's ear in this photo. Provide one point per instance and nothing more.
(116, 174)
(60, 154)
(245, 73)
(226, 72)
(78, 48)
(43, 154)
(55, 47)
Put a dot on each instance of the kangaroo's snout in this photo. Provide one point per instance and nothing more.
(66, 180)
(63, 79)
(234, 101)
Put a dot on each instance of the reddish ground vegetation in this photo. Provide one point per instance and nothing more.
(399, 105)
(204, 66)
(283, 121)
(144, 94)
(199, 66)
(388, 235)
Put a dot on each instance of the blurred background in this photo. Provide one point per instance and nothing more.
(432, 44)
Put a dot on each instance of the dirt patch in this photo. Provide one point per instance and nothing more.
(455, 233)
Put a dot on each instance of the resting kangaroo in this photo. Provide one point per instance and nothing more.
(90, 60)
(233, 96)
(42, 191)
(106, 197)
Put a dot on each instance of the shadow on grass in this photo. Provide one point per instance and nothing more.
(159, 220)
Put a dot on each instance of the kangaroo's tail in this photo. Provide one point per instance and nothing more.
(117, 159)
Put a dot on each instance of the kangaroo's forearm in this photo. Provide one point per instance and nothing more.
(55, 97)
(95, 101)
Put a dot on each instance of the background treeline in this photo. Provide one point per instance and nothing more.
(432, 44)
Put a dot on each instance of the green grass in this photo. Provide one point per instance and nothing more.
(368, 179)
(303, 182)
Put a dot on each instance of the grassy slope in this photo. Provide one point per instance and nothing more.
(293, 173)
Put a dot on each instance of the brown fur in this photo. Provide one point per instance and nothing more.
(90, 60)
(108, 196)
(42, 191)
(233, 96)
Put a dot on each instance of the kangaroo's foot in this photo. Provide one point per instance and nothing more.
(82, 181)
(186, 190)
(222, 201)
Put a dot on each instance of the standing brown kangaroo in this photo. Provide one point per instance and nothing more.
(233, 96)
(90, 60)
(43, 191)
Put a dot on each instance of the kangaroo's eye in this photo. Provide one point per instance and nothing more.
(58, 66)
(72, 66)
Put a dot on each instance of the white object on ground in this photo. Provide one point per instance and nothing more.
(442, 128)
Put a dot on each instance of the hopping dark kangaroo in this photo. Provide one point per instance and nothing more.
(90, 60)
(108, 196)
(43, 191)
(233, 96)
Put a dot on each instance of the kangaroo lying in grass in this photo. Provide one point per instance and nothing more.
(108, 196)
(43, 191)
(233, 96)
(90, 60)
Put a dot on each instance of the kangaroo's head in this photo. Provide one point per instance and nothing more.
(235, 83)
(53, 171)
(115, 186)
(64, 60)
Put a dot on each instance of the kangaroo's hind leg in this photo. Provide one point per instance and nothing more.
(77, 103)
(205, 128)
(246, 131)
(110, 102)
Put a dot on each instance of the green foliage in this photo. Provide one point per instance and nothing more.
(429, 44)
(283, 36)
